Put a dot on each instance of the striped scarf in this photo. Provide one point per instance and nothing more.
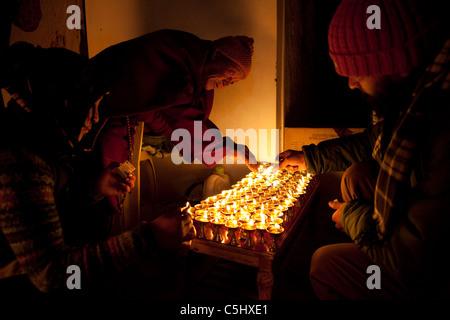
(398, 160)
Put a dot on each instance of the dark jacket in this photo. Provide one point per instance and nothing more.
(414, 250)
(338, 154)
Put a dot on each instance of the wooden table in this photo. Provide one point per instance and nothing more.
(262, 260)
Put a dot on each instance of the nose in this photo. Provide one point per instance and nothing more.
(353, 83)
(230, 81)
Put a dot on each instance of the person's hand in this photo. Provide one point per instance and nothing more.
(241, 154)
(251, 163)
(109, 183)
(186, 245)
(174, 229)
(336, 217)
(291, 160)
(248, 156)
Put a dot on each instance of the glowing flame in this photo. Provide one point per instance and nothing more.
(258, 193)
(188, 205)
(263, 218)
(232, 221)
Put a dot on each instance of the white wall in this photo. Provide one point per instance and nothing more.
(248, 104)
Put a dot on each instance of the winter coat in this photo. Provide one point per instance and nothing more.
(414, 250)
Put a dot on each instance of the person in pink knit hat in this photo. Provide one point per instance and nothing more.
(167, 80)
(395, 190)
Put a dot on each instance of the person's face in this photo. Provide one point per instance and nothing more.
(224, 79)
(382, 92)
(370, 86)
(91, 118)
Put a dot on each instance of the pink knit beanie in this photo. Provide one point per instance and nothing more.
(238, 49)
(406, 37)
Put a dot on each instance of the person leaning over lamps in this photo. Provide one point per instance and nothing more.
(395, 186)
(54, 103)
(167, 80)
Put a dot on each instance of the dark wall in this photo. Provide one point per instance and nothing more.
(315, 95)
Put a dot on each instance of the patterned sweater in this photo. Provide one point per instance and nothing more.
(31, 238)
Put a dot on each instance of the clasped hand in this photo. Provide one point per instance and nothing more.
(173, 229)
(336, 217)
(109, 183)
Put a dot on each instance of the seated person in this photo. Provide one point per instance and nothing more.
(395, 188)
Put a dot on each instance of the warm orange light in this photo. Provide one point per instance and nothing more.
(188, 205)
(262, 198)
